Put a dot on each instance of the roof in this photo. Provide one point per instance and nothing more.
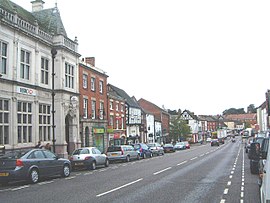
(247, 116)
(124, 95)
(49, 20)
(154, 105)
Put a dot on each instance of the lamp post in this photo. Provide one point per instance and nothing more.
(53, 52)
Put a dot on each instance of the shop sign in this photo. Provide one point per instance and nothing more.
(98, 130)
(24, 90)
(110, 129)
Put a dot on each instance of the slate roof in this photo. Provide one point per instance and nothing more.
(124, 95)
(49, 20)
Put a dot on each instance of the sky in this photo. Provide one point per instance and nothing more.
(205, 56)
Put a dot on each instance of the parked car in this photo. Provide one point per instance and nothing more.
(88, 157)
(247, 144)
(32, 165)
(168, 148)
(214, 142)
(156, 148)
(143, 150)
(122, 152)
(179, 146)
(221, 140)
(187, 144)
(208, 139)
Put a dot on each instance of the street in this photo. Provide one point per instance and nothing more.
(201, 174)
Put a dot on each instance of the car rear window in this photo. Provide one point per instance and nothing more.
(114, 149)
(81, 151)
(16, 154)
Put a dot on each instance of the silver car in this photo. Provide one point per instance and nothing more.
(122, 152)
(88, 157)
(156, 148)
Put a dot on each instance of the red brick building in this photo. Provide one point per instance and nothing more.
(93, 104)
(159, 115)
(116, 118)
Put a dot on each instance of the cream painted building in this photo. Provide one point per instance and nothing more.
(26, 41)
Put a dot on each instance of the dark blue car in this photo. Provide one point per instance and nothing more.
(31, 165)
(143, 150)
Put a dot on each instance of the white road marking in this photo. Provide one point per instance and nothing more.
(230, 176)
(89, 173)
(222, 201)
(194, 158)
(182, 163)
(69, 178)
(229, 183)
(162, 171)
(242, 194)
(46, 182)
(20, 188)
(118, 188)
(226, 191)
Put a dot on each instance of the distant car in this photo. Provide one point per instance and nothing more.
(179, 146)
(122, 152)
(32, 165)
(247, 144)
(168, 148)
(221, 140)
(143, 150)
(214, 142)
(208, 139)
(187, 144)
(88, 157)
(156, 148)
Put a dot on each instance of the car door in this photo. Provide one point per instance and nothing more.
(54, 165)
(37, 158)
(97, 155)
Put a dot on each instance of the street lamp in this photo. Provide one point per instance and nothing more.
(53, 52)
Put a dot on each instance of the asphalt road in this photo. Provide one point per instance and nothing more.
(202, 174)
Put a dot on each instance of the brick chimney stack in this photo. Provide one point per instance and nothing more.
(37, 5)
(90, 60)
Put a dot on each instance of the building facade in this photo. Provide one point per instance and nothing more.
(29, 72)
(93, 105)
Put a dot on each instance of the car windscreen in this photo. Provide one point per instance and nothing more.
(137, 146)
(114, 149)
(151, 145)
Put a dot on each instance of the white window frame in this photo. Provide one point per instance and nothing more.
(101, 83)
(85, 108)
(45, 122)
(25, 64)
(25, 117)
(44, 75)
(85, 80)
(4, 121)
(93, 109)
(93, 83)
(69, 75)
(3, 57)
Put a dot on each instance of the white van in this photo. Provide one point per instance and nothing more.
(265, 187)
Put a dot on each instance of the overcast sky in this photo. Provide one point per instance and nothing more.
(202, 55)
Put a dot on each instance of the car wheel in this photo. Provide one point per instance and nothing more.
(144, 155)
(66, 171)
(138, 157)
(93, 165)
(151, 155)
(127, 159)
(34, 176)
(107, 163)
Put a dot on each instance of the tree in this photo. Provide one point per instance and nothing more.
(179, 128)
(234, 111)
(251, 109)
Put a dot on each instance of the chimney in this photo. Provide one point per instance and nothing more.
(90, 60)
(37, 5)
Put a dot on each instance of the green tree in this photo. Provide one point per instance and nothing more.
(234, 111)
(251, 109)
(179, 128)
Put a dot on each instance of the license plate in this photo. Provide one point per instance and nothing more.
(114, 154)
(78, 164)
(4, 174)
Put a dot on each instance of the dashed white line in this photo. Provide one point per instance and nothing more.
(20, 188)
(69, 178)
(162, 171)
(46, 182)
(182, 163)
(229, 183)
(226, 191)
(118, 188)
(194, 158)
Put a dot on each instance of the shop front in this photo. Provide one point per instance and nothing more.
(99, 138)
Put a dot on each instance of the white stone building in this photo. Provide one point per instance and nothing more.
(26, 41)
